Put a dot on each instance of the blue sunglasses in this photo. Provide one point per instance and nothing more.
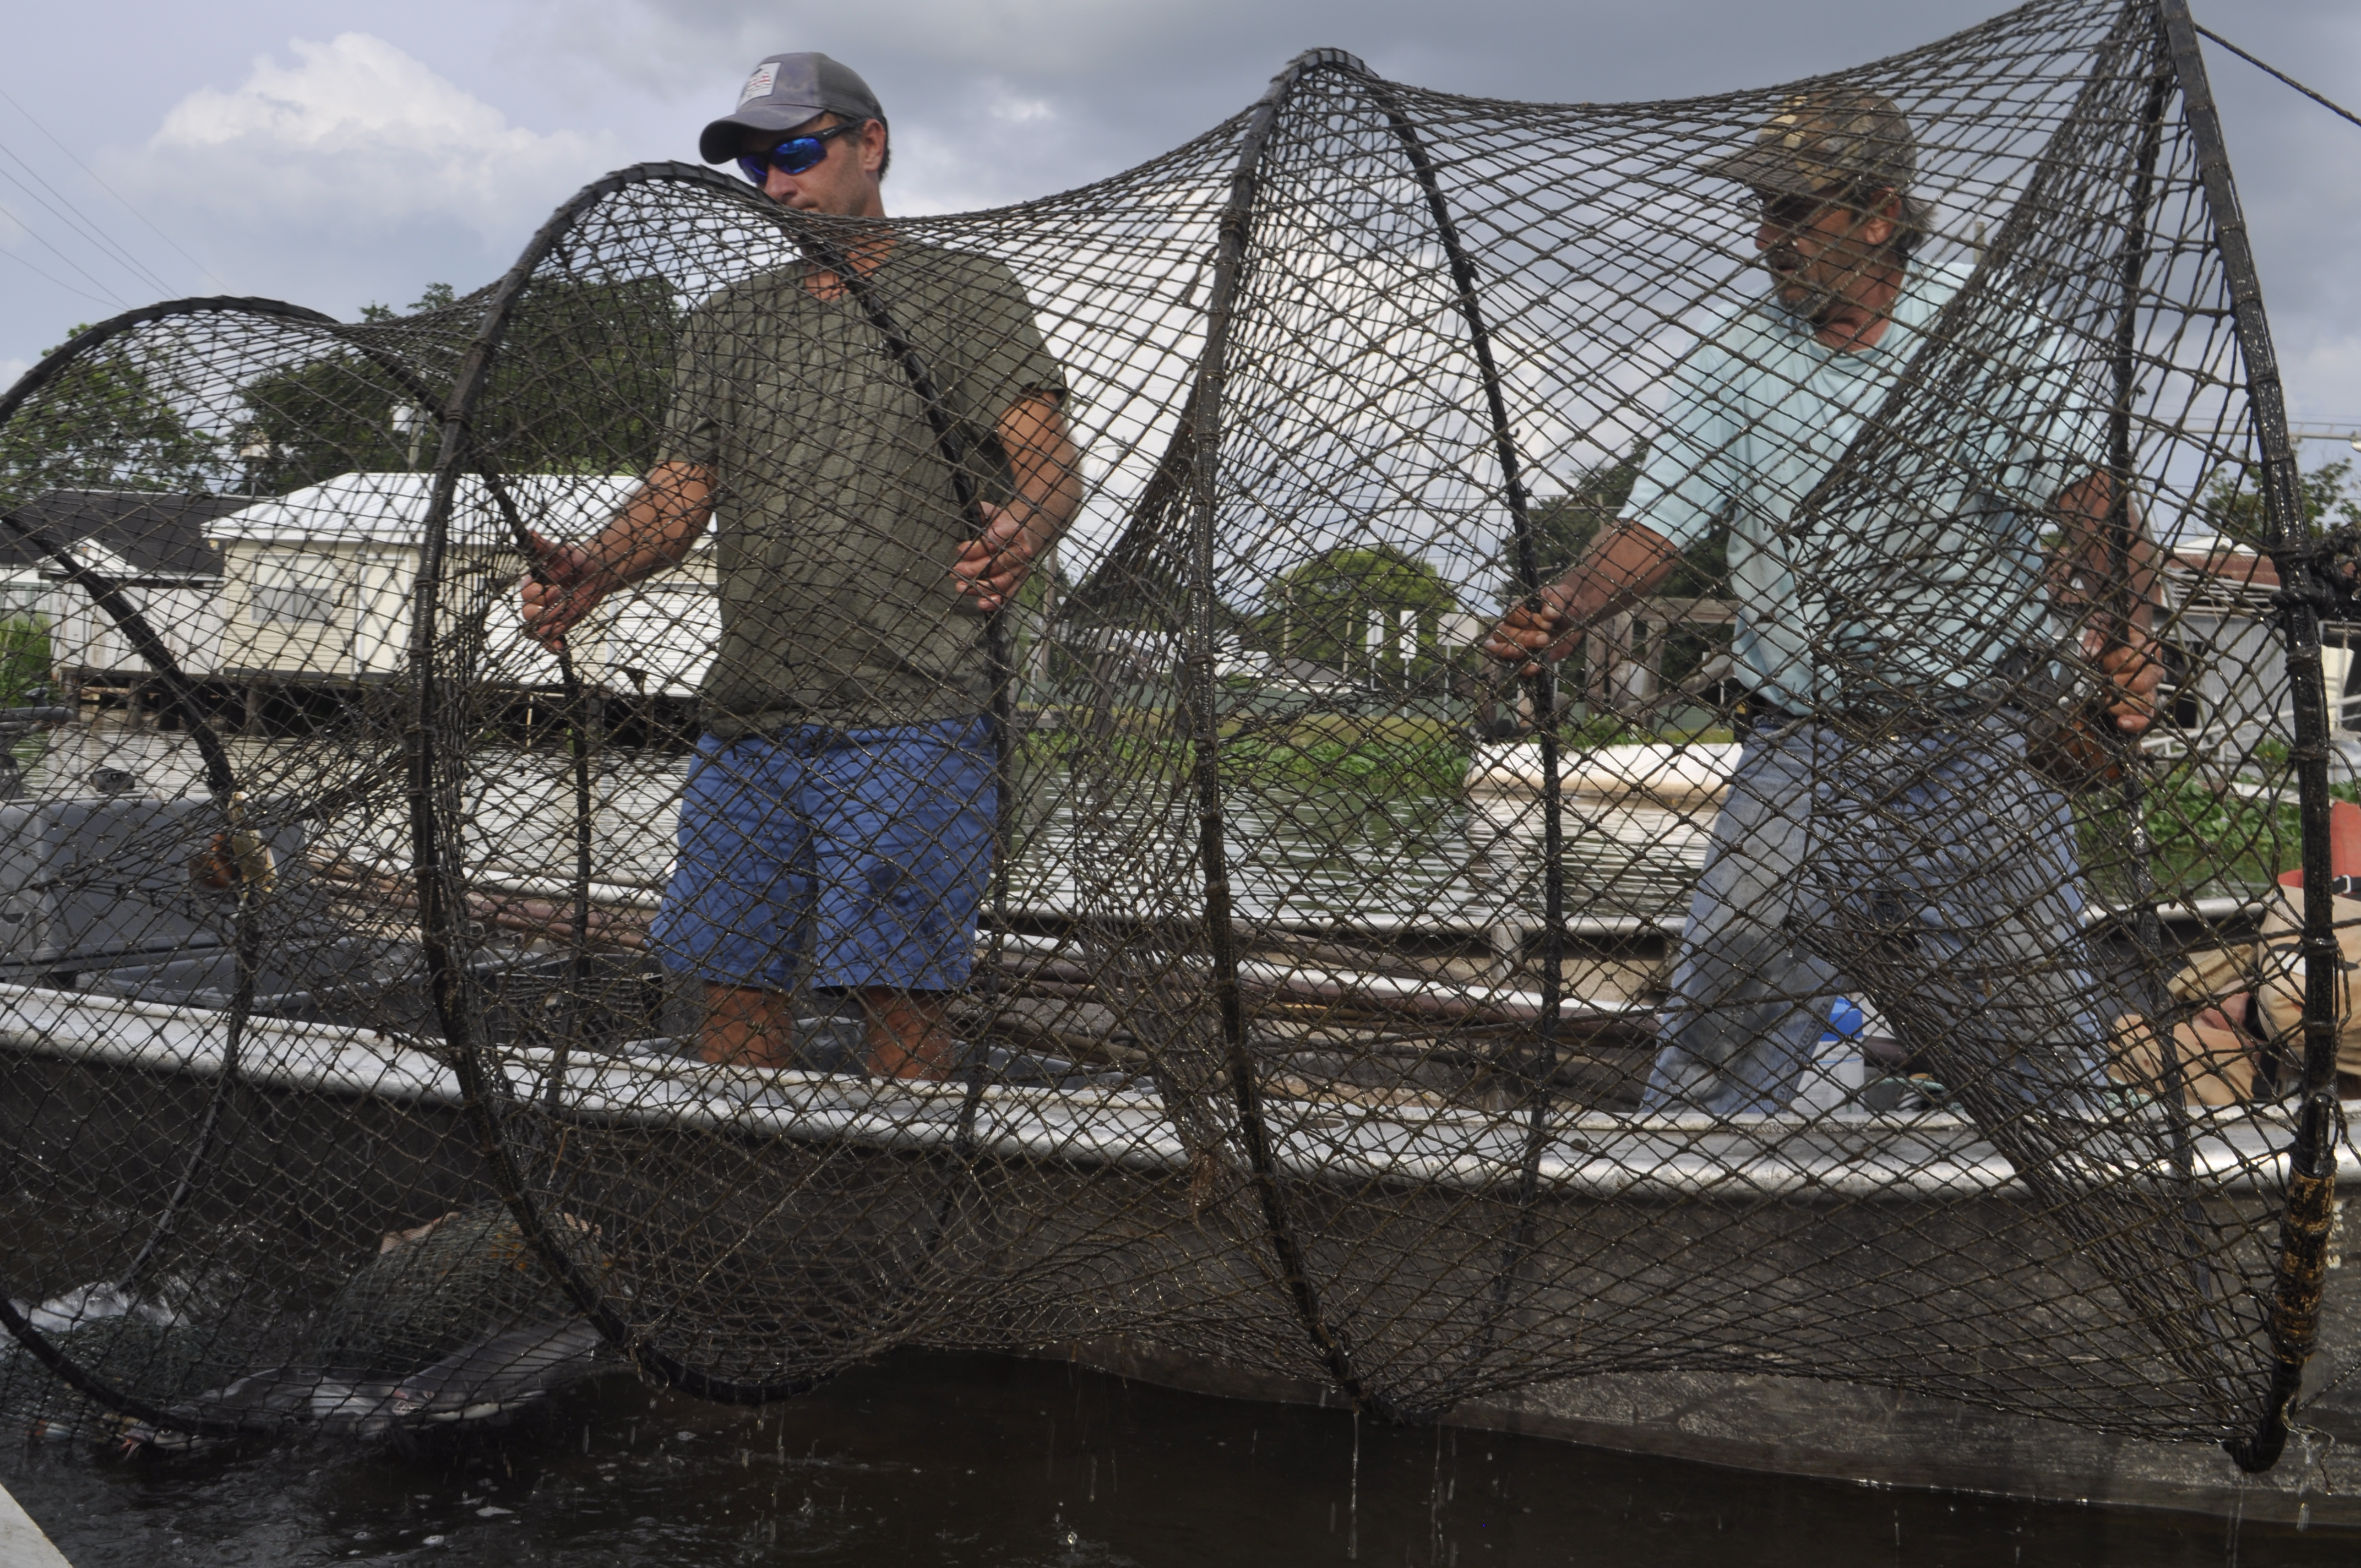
(793, 155)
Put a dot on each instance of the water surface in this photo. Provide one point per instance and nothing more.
(1308, 853)
(984, 1460)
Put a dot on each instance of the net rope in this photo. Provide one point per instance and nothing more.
(1214, 949)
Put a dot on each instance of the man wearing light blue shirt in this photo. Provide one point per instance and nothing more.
(1916, 491)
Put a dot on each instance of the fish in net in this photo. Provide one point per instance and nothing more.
(1432, 746)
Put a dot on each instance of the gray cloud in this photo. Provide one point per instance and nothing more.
(1123, 82)
(995, 101)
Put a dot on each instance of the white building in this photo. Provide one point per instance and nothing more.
(2236, 687)
(319, 584)
(149, 544)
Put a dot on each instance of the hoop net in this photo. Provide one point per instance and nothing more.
(1212, 949)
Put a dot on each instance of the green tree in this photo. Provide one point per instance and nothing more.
(1565, 525)
(584, 376)
(105, 422)
(2233, 503)
(434, 297)
(313, 421)
(1325, 611)
(23, 657)
(580, 386)
(334, 415)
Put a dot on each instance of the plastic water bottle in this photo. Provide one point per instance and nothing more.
(1835, 1074)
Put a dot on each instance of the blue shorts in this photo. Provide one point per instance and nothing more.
(870, 846)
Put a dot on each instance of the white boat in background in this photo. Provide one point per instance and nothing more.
(1689, 776)
(1636, 821)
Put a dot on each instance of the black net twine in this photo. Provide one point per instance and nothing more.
(1211, 951)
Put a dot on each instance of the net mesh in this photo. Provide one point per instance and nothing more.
(1012, 822)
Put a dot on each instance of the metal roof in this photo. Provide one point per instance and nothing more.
(156, 536)
(390, 508)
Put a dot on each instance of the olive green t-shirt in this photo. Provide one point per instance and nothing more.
(837, 518)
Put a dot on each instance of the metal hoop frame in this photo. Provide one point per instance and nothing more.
(2175, 64)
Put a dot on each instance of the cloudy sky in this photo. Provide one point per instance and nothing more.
(337, 154)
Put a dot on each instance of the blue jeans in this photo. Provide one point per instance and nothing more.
(878, 843)
(1933, 873)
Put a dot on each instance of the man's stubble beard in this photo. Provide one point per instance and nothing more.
(1797, 294)
(1800, 296)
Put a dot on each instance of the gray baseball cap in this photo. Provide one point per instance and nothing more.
(784, 91)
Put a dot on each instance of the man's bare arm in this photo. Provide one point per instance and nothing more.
(2106, 584)
(657, 528)
(2088, 548)
(1049, 493)
(1623, 564)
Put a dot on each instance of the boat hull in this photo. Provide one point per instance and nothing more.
(1065, 1242)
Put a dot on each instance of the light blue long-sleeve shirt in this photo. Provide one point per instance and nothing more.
(1929, 573)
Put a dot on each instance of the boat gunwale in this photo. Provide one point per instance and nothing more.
(1674, 1156)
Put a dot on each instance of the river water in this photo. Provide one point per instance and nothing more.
(974, 1460)
(1313, 854)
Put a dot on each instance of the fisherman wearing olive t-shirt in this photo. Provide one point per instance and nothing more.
(844, 785)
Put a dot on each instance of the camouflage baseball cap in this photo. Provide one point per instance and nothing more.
(1827, 139)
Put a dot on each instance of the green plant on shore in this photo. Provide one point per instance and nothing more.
(1390, 756)
(2207, 825)
(1387, 765)
(23, 657)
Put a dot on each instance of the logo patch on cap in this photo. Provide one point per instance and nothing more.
(759, 83)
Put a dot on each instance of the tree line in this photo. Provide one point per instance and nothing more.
(580, 388)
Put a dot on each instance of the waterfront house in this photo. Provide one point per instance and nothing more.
(2229, 657)
(318, 583)
(153, 546)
